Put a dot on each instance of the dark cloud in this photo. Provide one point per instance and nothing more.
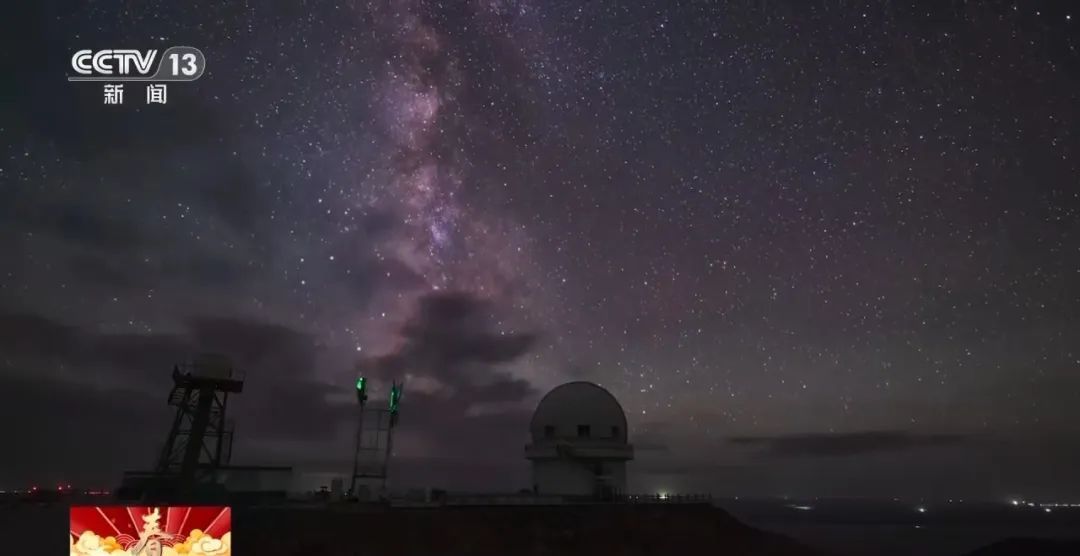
(449, 338)
(276, 346)
(450, 329)
(141, 354)
(845, 444)
(394, 274)
(296, 409)
(77, 223)
(96, 270)
(35, 335)
(79, 433)
(233, 194)
(207, 271)
(85, 225)
(36, 340)
(135, 273)
(511, 389)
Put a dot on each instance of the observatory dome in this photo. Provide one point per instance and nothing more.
(579, 443)
(578, 410)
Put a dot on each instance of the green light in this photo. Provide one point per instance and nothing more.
(395, 398)
(361, 390)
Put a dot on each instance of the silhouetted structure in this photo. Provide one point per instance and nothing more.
(194, 463)
(199, 443)
(374, 437)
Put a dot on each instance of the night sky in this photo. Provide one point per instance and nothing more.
(813, 248)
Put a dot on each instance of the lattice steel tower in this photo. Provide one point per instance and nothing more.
(374, 436)
(200, 441)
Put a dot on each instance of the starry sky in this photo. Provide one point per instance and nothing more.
(814, 248)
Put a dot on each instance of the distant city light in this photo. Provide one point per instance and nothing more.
(921, 509)
(1015, 502)
(663, 495)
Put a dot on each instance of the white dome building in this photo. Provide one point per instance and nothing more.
(579, 442)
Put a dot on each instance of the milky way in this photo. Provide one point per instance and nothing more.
(429, 106)
(809, 249)
(421, 111)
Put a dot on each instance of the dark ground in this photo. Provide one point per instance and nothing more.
(498, 531)
(1030, 547)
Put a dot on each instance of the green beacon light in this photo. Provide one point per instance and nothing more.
(361, 389)
(395, 398)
